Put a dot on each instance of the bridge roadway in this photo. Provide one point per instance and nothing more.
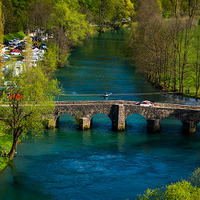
(118, 111)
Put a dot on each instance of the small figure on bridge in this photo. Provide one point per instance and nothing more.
(5, 153)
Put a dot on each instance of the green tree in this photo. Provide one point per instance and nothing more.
(1, 36)
(69, 28)
(29, 103)
(39, 12)
(49, 63)
(121, 10)
(187, 190)
(29, 53)
(71, 21)
(177, 191)
(10, 18)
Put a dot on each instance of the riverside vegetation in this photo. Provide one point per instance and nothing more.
(183, 190)
(68, 22)
(164, 45)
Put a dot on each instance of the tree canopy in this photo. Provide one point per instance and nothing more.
(27, 102)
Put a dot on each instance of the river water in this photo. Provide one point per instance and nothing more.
(101, 164)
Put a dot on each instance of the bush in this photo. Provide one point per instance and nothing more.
(183, 190)
(157, 194)
(195, 179)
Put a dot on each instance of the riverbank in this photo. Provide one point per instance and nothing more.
(5, 145)
(189, 93)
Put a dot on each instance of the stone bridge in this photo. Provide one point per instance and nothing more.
(118, 111)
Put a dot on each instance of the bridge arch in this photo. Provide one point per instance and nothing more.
(198, 128)
(66, 120)
(136, 113)
(101, 120)
(171, 124)
(100, 114)
(136, 122)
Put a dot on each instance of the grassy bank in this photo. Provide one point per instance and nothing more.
(5, 144)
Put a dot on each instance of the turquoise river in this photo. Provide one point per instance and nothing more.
(101, 164)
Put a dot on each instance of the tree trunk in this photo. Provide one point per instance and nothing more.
(14, 147)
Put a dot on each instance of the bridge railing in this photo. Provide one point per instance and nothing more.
(112, 102)
(176, 106)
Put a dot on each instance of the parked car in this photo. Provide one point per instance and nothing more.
(10, 47)
(20, 48)
(43, 46)
(15, 52)
(10, 42)
(6, 57)
(145, 103)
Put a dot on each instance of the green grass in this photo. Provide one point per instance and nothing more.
(12, 36)
(5, 144)
(3, 163)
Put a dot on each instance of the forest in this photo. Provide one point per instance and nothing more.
(70, 21)
(164, 44)
(164, 37)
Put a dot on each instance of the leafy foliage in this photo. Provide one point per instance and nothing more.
(28, 103)
(167, 50)
(176, 191)
(72, 22)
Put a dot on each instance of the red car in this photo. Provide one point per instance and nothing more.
(15, 52)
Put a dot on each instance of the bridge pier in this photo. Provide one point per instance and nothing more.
(153, 125)
(83, 123)
(118, 117)
(51, 122)
(189, 127)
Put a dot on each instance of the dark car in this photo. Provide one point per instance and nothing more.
(20, 48)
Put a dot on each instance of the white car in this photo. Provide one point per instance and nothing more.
(145, 103)
(15, 53)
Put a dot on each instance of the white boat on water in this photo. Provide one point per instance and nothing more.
(106, 95)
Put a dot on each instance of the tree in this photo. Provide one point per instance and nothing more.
(29, 53)
(1, 36)
(10, 19)
(39, 13)
(69, 28)
(49, 64)
(162, 47)
(194, 61)
(177, 191)
(122, 10)
(27, 103)
(147, 43)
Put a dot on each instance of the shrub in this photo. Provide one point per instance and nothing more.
(184, 190)
(195, 179)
